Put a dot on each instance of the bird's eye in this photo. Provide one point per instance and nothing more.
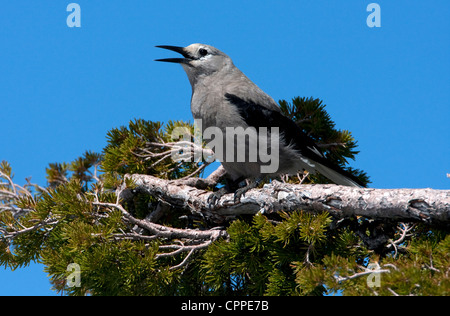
(202, 52)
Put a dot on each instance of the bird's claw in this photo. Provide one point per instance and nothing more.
(214, 197)
(240, 193)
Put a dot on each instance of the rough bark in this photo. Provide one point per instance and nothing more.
(403, 205)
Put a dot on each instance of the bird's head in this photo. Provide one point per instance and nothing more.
(199, 60)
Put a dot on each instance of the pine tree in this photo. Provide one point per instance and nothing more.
(134, 238)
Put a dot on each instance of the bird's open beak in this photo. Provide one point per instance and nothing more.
(177, 49)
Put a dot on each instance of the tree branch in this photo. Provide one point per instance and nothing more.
(189, 240)
(366, 271)
(402, 205)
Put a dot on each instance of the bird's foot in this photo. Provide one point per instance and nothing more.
(241, 191)
(214, 197)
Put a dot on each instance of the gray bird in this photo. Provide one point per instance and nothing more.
(223, 97)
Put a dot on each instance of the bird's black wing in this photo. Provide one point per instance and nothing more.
(257, 116)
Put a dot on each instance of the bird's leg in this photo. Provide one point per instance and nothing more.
(234, 186)
(230, 186)
(214, 197)
(251, 184)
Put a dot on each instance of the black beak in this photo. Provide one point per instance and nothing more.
(177, 49)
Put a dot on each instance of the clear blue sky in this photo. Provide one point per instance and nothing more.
(63, 88)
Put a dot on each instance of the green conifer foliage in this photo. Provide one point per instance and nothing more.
(338, 145)
(92, 215)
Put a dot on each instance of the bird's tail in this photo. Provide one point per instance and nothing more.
(340, 177)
